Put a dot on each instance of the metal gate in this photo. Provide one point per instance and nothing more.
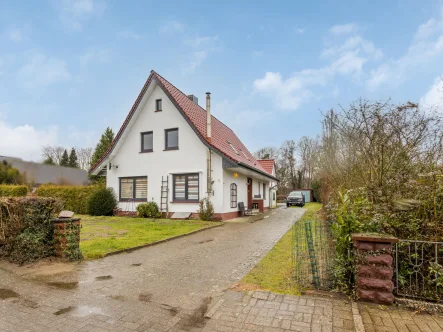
(419, 269)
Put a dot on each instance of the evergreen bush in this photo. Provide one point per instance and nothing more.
(148, 210)
(102, 202)
(13, 190)
(206, 209)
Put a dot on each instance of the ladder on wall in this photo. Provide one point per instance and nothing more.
(164, 195)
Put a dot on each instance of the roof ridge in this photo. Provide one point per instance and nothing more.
(212, 115)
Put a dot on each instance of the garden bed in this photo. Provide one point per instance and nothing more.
(104, 235)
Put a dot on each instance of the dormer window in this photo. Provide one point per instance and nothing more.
(158, 105)
(245, 154)
(233, 148)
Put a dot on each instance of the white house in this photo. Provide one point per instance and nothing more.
(174, 152)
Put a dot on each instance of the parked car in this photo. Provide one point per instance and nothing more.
(295, 198)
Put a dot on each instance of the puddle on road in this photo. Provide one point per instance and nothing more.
(197, 319)
(144, 297)
(137, 264)
(64, 285)
(100, 278)
(79, 311)
(173, 311)
(7, 293)
(206, 241)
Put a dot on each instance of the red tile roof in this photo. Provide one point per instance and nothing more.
(222, 136)
(267, 164)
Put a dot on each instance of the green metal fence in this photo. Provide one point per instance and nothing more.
(312, 254)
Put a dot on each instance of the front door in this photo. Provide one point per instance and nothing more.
(249, 193)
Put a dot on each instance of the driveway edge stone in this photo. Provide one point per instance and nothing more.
(358, 321)
(112, 253)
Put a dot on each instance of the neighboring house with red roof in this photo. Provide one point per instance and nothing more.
(174, 152)
(269, 166)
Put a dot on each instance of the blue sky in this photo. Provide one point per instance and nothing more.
(69, 69)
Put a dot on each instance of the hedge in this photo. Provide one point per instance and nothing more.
(8, 190)
(75, 198)
(26, 228)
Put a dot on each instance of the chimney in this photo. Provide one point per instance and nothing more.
(193, 98)
(208, 117)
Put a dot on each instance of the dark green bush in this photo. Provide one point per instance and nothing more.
(75, 198)
(206, 209)
(26, 229)
(13, 190)
(148, 210)
(102, 202)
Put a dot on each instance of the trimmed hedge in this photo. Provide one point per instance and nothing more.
(102, 202)
(8, 190)
(75, 198)
(26, 228)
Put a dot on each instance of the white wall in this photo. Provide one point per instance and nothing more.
(190, 158)
(242, 189)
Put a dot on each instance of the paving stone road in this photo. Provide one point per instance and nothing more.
(167, 287)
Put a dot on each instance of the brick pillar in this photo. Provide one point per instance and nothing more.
(374, 264)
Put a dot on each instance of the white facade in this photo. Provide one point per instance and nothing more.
(127, 160)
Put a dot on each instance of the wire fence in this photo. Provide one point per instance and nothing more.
(312, 254)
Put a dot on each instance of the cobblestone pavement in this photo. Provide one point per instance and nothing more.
(392, 319)
(265, 311)
(167, 287)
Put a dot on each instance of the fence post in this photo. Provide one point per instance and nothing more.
(374, 267)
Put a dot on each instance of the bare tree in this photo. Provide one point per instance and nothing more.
(308, 151)
(53, 152)
(84, 156)
(268, 152)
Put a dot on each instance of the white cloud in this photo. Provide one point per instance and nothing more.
(172, 27)
(25, 141)
(73, 13)
(426, 46)
(434, 97)
(202, 46)
(128, 34)
(41, 71)
(343, 29)
(346, 59)
(97, 56)
(14, 34)
(299, 31)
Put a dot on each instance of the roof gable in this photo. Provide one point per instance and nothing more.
(222, 136)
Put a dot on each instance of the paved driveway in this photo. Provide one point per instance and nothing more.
(168, 286)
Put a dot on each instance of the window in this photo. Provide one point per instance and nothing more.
(186, 187)
(233, 148)
(264, 190)
(134, 188)
(158, 105)
(233, 195)
(147, 142)
(171, 139)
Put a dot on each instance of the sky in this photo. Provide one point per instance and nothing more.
(69, 69)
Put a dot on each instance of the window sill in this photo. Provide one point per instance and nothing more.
(184, 202)
(138, 200)
(158, 111)
(146, 151)
(170, 149)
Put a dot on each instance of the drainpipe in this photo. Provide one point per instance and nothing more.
(208, 117)
(208, 138)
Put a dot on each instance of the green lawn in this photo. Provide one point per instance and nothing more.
(274, 271)
(101, 235)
